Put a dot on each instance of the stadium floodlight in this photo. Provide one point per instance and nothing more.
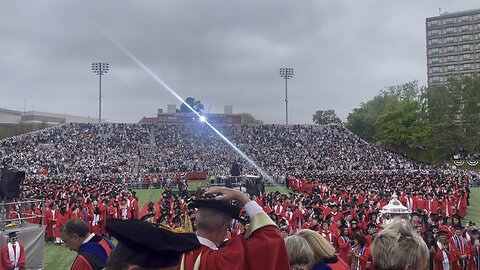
(100, 69)
(286, 73)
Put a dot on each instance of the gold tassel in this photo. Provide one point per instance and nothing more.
(187, 222)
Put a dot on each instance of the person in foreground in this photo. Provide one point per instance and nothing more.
(143, 245)
(397, 246)
(13, 254)
(93, 250)
(261, 247)
(323, 252)
(300, 255)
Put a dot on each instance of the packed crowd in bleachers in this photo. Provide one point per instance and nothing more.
(339, 181)
(179, 148)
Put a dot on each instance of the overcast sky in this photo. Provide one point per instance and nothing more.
(220, 52)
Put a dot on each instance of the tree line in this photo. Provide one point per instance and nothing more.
(430, 124)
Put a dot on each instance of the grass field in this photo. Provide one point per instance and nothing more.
(474, 207)
(59, 257)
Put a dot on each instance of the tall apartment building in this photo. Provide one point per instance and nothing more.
(453, 45)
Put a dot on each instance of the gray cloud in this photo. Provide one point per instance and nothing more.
(220, 52)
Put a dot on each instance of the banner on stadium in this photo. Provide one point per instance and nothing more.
(196, 175)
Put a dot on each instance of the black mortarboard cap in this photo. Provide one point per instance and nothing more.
(147, 245)
(12, 234)
(222, 206)
(458, 227)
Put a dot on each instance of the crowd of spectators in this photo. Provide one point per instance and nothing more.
(338, 181)
(146, 151)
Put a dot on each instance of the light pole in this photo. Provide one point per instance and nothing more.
(286, 73)
(100, 69)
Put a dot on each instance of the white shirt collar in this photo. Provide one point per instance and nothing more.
(88, 238)
(206, 242)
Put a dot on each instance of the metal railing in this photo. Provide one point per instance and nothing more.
(18, 208)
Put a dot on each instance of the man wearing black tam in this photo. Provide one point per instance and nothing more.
(213, 220)
(261, 247)
(143, 245)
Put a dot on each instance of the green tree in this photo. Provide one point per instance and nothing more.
(406, 91)
(326, 117)
(441, 103)
(429, 124)
(453, 110)
(396, 125)
(195, 104)
(390, 117)
(249, 119)
(362, 120)
(471, 113)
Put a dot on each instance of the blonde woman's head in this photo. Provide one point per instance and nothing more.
(321, 248)
(298, 250)
(398, 246)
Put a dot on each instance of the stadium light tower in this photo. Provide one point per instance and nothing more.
(286, 73)
(100, 69)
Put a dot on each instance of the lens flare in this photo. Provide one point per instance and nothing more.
(169, 89)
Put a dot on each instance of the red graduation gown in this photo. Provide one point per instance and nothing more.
(464, 250)
(451, 255)
(7, 265)
(365, 257)
(51, 220)
(61, 219)
(344, 248)
(263, 249)
(462, 206)
(81, 263)
(97, 256)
